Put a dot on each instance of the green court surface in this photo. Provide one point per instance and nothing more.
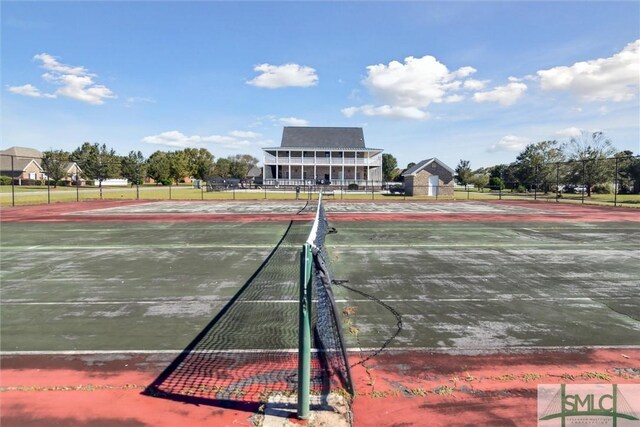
(476, 286)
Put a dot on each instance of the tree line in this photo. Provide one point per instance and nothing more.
(588, 161)
(99, 163)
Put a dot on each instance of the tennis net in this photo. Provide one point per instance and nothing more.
(328, 337)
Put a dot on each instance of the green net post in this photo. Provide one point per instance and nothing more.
(304, 333)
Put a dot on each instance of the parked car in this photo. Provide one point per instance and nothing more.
(396, 189)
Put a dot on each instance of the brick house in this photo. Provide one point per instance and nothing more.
(22, 164)
(430, 177)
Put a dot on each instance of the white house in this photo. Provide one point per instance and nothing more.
(323, 155)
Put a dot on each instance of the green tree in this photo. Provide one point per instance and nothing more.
(97, 161)
(535, 164)
(240, 164)
(54, 164)
(389, 167)
(496, 183)
(134, 167)
(506, 173)
(628, 172)
(178, 166)
(463, 172)
(199, 162)
(222, 168)
(589, 166)
(159, 167)
(480, 180)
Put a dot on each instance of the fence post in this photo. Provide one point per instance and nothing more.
(77, 190)
(137, 191)
(170, 185)
(304, 333)
(615, 186)
(557, 182)
(468, 193)
(234, 192)
(584, 187)
(48, 191)
(535, 183)
(201, 192)
(13, 184)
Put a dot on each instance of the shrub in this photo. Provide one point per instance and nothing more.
(353, 186)
(5, 180)
(602, 189)
(496, 183)
(519, 189)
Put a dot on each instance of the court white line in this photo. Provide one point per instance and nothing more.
(459, 350)
(295, 301)
(126, 247)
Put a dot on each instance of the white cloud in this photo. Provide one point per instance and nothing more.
(177, 139)
(293, 121)
(244, 134)
(569, 132)
(604, 79)
(406, 88)
(416, 83)
(464, 72)
(132, 100)
(509, 143)
(387, 111)
(453, 98)
(473, 84)
(50, 63)
(74, 82)
(504, 95)
(29, 90)
(287, 75)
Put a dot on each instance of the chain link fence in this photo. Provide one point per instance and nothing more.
(612, 181)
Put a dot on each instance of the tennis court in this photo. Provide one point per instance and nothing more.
(447, 307)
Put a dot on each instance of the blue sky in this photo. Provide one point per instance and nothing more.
(455, 80)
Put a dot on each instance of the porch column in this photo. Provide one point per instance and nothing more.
(277, 161)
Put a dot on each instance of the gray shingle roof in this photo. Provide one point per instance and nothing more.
(19, 164)
(416, 168)
(322, 137)
(419, 166)
(30, 153)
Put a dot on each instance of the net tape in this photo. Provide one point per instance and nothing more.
(329, 339)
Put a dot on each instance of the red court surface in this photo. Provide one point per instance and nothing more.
(553, 212)
(394, 389)
(408, 388)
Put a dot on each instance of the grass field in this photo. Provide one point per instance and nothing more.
(40, 195)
